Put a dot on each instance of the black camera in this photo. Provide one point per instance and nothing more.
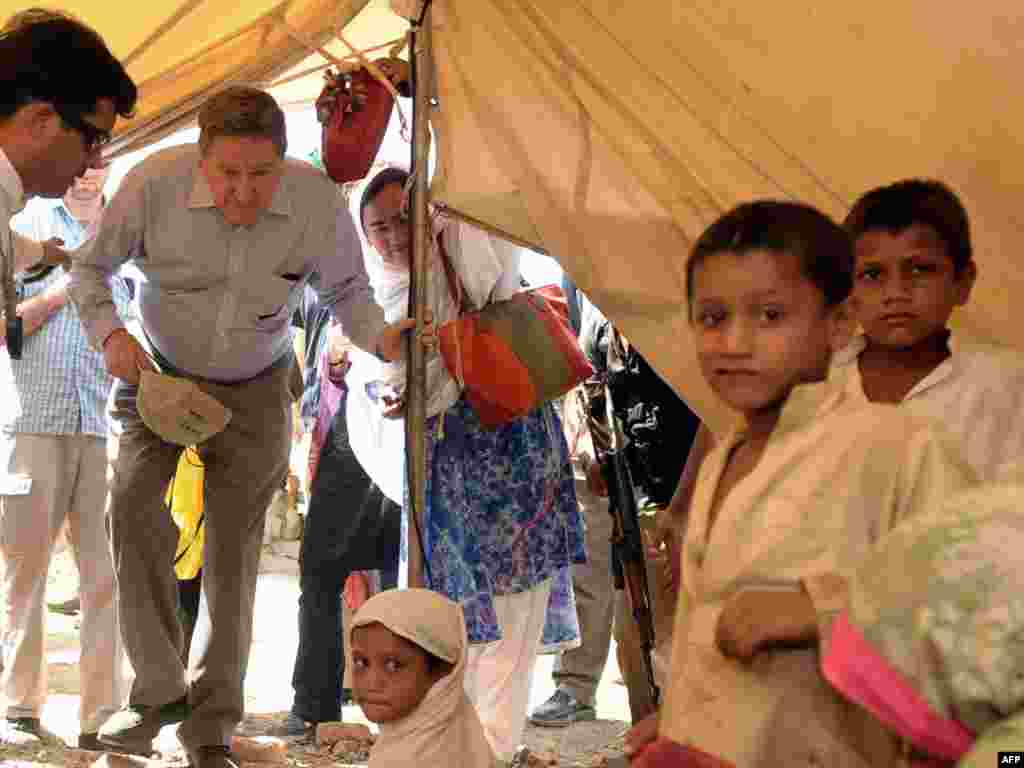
(15, 337)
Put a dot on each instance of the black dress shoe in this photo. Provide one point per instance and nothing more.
(132, 729)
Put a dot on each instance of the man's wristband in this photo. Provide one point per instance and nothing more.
(111, 335)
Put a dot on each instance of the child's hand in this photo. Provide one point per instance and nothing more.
(641, 735)
(755, 620)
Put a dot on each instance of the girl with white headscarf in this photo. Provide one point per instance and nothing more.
(409, 654)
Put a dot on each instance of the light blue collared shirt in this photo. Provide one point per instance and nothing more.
(60, 385)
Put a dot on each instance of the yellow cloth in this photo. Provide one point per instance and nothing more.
(444, 730)
(833, 478)
(976, 395)
(185, 500)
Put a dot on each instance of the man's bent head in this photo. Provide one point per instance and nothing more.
(61, 90)
(242, 141)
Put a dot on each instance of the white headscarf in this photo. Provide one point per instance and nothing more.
(488, 270)
(444, 730)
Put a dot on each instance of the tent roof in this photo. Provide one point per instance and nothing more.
(611, 133)
(181, 51)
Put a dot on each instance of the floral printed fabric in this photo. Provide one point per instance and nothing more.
(942, 599)
(561, 623)
(502, 517)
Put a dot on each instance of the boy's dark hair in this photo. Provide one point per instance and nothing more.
(823, 247)
(926, 202)
(242, 111)
(386, 177)
(50, 57)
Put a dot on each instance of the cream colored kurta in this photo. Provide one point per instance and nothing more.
(976, 395)
(833, 478)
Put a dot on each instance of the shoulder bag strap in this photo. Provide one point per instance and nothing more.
(455, 286)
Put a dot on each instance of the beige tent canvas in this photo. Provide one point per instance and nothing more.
(609, 134)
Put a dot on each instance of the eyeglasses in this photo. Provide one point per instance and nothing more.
(93, 137)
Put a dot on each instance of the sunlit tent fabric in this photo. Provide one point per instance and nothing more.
(609, 134)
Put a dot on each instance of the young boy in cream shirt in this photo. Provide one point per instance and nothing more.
(785, 506)
(914, 266)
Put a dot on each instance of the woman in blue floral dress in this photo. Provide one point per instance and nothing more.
(501, 525)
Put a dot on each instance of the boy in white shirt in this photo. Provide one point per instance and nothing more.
(914, 266)
(785, 506)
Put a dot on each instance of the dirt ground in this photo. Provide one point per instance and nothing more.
(268, 688)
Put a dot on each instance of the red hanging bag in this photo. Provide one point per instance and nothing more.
(354, 109)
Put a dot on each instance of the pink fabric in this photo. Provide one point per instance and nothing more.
(665, 753)
(331, 392)
(357, 590)
(863, 675)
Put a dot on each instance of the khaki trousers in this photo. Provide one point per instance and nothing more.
(578, 671)
(244, 465)
(69, 487)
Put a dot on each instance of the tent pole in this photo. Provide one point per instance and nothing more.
(416, 397)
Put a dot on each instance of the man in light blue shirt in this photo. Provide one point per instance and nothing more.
(54, 416)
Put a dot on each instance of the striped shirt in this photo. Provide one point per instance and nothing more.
(60, 386)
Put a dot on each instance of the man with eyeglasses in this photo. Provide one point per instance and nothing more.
(61, 90)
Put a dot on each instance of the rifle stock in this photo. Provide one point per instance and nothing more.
(628, 561)
(628, 553)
